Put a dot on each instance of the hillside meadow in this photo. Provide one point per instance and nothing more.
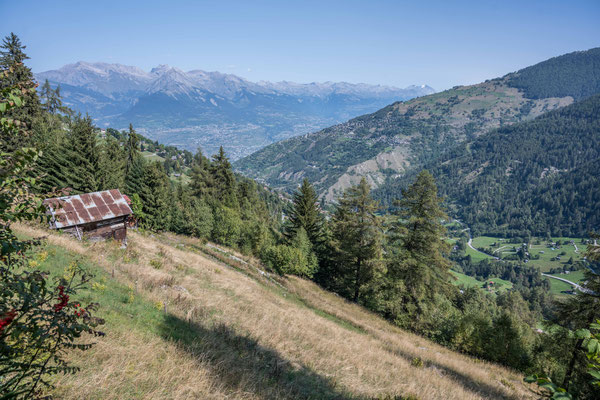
(186, 319)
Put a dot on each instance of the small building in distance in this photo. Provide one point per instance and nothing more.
(97, 216)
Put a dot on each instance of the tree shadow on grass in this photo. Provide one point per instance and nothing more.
(242, 364)
(480, 388)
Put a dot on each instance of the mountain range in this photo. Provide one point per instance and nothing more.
(405, 136)
(207, 109)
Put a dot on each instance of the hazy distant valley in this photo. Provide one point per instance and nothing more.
(208, 109)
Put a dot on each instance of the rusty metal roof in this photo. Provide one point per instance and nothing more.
(85, 208)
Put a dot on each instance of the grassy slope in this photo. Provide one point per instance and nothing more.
(231, 332)
(468, 281)
(152, 156)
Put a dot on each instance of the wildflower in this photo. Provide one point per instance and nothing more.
(9, 317)
(64, 299)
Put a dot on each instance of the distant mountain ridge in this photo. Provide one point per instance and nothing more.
(405, 135)
(208, 109)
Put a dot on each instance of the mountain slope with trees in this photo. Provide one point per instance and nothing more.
(250, 320)
(405, 135)
(536, 178)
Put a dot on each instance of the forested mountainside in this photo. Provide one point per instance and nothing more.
(539, 177)
(407, 268)
(405, 135)
(193, 109)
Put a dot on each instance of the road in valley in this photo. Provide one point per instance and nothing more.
(470, 244)
(576, 286)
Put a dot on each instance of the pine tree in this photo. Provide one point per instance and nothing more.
(357, 238)
(304, 213)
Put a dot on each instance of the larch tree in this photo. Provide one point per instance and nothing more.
(357, 239)
(417, 266)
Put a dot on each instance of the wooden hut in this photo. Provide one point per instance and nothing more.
(97, 216)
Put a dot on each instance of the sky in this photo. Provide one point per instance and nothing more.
(398, 43)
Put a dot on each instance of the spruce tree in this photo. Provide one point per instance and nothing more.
(112, 165)
(304, 213)
(132, 149)
(52, 102)
(84, 156)
(134, 164)
(357, 239)
(201, 180)
(155, 196)
(14, 74)
(223, 179)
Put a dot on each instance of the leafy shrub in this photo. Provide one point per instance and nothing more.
(285, 259)
(417, 362)
(38, 319)
(226, 228)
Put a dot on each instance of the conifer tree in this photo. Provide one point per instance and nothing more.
(14, 74)
(112, 165)
(132, 149)
(357, 239)
(419, 234)
(201, 179)
(223, 179)
(304, 213)
(51, 98)
(417, 272)
(155, 196)
(134, 164)
(84, 156)
(54, 166)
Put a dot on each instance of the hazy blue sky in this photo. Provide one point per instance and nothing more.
(441, 43)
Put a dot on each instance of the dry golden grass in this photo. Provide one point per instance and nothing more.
(231, 334)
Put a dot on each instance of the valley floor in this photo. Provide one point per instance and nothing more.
(180, 324)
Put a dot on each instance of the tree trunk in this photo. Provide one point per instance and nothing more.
(357, 281)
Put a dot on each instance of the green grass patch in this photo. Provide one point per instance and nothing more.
(499, 286)
(489, 241)
(573, 276)
(559, 288)
(477, 256)
(152, 156)
(119, 305)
